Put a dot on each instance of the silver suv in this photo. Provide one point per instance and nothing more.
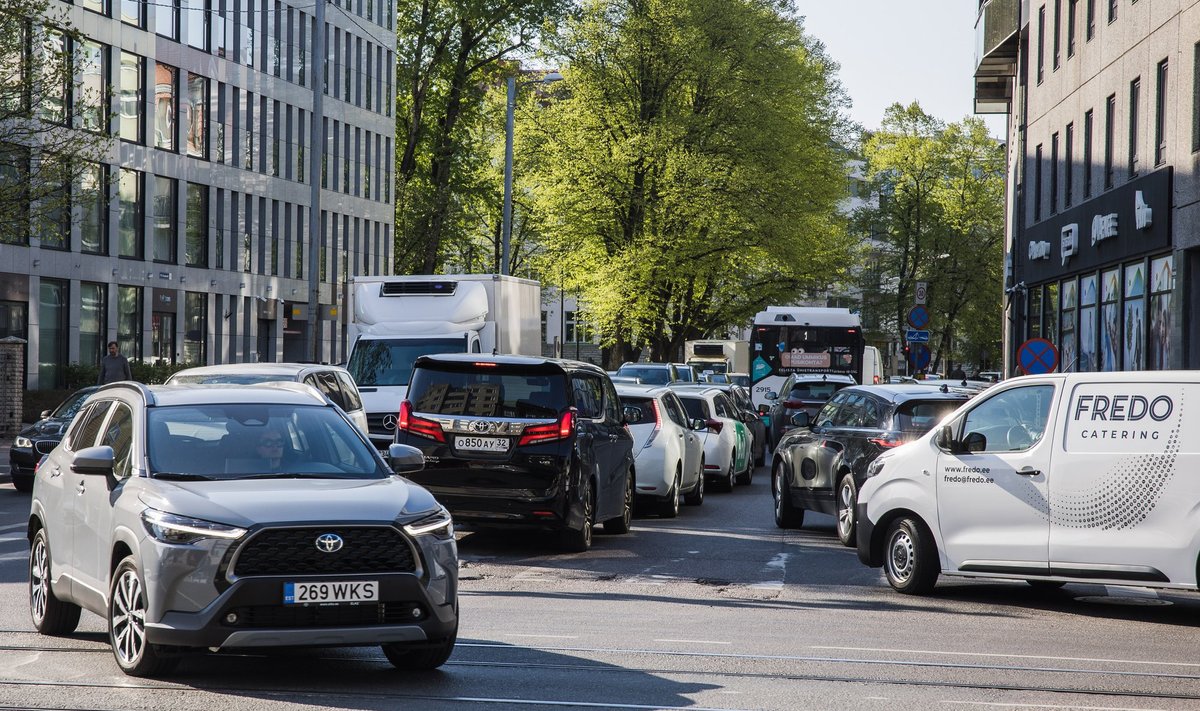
(227, 517)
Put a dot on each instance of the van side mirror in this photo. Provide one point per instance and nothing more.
(801, 419)
(974, 442)
(404, 459)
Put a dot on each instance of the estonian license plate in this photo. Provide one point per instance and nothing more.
(482, 444)
(330, 593)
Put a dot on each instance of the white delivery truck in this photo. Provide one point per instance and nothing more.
(717, 356)
(396, 319)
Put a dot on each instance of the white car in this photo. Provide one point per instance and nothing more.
(727, 444)
(331, 380)
(668, 447)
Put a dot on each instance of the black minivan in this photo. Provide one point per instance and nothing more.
(521, 441)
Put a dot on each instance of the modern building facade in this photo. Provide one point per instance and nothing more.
(193, 239)
(1103, 231)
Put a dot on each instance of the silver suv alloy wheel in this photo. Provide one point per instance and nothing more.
(127, 618)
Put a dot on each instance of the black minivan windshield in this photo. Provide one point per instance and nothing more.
(489, 389)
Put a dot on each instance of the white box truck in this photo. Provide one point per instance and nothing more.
(396, 319)
(718, 356)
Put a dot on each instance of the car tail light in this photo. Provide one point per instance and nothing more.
(412, 424)
(887, 441)
(550, 432)
(715, 425)
(875, 380)
(657, 423)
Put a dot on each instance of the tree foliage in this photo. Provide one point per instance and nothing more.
(43, 104)
(688, 172)
(940, 219)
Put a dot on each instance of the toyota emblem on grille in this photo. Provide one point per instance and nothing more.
(482, 427)
(389, 422)
(329, 543)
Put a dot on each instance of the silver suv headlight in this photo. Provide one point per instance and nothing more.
(438, 524)
(173, 528)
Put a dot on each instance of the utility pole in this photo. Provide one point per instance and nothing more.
(316, 151)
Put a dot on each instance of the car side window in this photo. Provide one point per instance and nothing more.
(825, 417)
(328, 385)
(612, 404)
(349, 392)
(1011, 421)
(723, 408)
(675, 409)
(118, 434)
(87, 425)
(850, 413)
(589, 395)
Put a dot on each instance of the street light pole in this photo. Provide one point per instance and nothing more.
(509, 109)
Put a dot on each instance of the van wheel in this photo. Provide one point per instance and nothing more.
(579, 540)
(910, 559)
(786, 514)
(847, 497)
(669, 508)
(695, 497)
(127, 625)
(622, 523)
(51, 616)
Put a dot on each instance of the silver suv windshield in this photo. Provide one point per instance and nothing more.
(251, 441)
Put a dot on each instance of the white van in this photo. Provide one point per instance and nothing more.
(1048, 479)
(872, 366)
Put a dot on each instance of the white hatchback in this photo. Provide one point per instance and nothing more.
(668, 449)
(727, 442)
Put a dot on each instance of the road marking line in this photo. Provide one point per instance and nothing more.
(692, 641)
(13, 527)
(1007, 656)
(1046, 706)
(14, 556)
(11, 539)
(548, 636)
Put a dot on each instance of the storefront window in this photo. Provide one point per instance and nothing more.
(195, 328)
(1050, 314)
(1087, 323)
(1162, 283)
(1068, 353)
(1110, 320)
(1135, 316)
(52, 330)
(1035, 312)
(129, 321)
(93, 324)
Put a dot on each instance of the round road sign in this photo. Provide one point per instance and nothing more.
(1037, 356)
(919, 353)
(918, 317)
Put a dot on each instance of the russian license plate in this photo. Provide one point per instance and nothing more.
(330, 593)
(482, 444)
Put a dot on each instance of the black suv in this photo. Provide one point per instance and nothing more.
(40, 438)
(821, 465)
(521, 441)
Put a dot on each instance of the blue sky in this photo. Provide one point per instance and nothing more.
(901, 51)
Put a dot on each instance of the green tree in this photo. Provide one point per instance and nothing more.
(688, 172)
(44, 104)
(449, 53)
(939, 219)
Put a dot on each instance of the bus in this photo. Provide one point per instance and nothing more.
(802, 339)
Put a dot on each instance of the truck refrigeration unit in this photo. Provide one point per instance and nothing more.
(396, 319)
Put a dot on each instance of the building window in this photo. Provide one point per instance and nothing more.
(1041, 44)
(1135, 316)
(93, 321)
(91, 98)
(195, 116)
(1110, 115)
(1050, 314)
(1072, 12)
(133, 12)
(1110, 320)
(1091, 19)
(54, 217)
(1162, 286)
(100, 6)
(197, 23)
(129, 206)
(1067, 347)
(166, 18)
(1037, 183)
(196, 245)
(52, 330)
(1069, 166)
(1056, 43)
(219, 35)
(132, 80)
(164, 219)
(1160, 115)
(1087, 154)
(1112, 11)
(195, 325)
(1135, 91)
(92, 195)
(52, 57)
(1054, 174)
(1087, 323)
(129, 321)
(1035, 313)
(166, 80)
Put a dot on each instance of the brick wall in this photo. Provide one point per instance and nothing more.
(12, 366)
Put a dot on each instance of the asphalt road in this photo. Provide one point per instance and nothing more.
(716, 609)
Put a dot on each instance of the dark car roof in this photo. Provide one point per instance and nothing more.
(508, 360)
(902, 392)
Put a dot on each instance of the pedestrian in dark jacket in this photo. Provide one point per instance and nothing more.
(113, 367)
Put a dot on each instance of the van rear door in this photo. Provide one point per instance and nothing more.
(993, 509)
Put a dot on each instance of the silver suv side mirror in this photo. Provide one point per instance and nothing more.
(93, 460)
